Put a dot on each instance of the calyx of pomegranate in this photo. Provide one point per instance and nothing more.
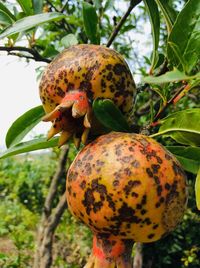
(75, 105)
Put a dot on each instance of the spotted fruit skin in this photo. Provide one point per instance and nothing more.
(127, 186)
(98, 71)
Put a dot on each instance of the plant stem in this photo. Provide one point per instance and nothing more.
(33, 52)
(177, 96)
(121, 22)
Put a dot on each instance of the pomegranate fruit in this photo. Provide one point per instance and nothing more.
(126, 187)
(74, 79)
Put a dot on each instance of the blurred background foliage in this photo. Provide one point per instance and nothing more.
(24, 180)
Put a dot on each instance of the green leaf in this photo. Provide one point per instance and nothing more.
(7, 11)
(179, 56)
(98, 4)
(37, 6)
(197, 190)
(189, 157)
(171, 76)
(90, 20)
(182, 126)
(69, 40)
(29, 146)
(50, 51)
(27, 6)
(168, 12)
(183, 48)
(5, 19)
(153, 12)
(23, 125)
(30, 22)
(109, 115)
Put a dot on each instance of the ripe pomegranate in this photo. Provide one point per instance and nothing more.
(126, 187)
(74, 79)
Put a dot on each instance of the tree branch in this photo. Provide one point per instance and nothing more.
(51, 217)
(33, 52)
(177, 96)
(52, 6)
(116, 30)
(56, 178)
(64, 6)
(58, 211)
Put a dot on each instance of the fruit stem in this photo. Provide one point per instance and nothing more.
(110, 252)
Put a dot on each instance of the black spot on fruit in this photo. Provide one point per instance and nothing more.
(150, 236)
(167, 186)
(131, 184)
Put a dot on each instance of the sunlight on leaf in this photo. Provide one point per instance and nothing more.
(171, 76)
(182, 126)
(29, 22)
(23, 125)
(29, 146)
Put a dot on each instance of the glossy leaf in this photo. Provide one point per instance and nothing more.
(7, 11)
(183, 48)
(37, 6)
(90, 20)
(168, 12)
(29, 146)
(109, 115)
(182, 126)
(23, 125)
(30, 22)
(189, 157)
(153, 12)
(171, 76)
(5, 19)
(197, 189)
(69, 40)
(27, 6)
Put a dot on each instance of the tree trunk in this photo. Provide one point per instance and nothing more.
(50, 217)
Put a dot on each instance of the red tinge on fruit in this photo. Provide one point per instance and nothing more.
(74, 79)
(127, 188)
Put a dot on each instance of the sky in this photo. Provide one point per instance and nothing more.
(19, 93)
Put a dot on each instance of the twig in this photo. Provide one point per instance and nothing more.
(52, 6)
(64, 6)
(163, 68)
(181, 94)
(33, 52)
(122, 20)
(177, 96)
